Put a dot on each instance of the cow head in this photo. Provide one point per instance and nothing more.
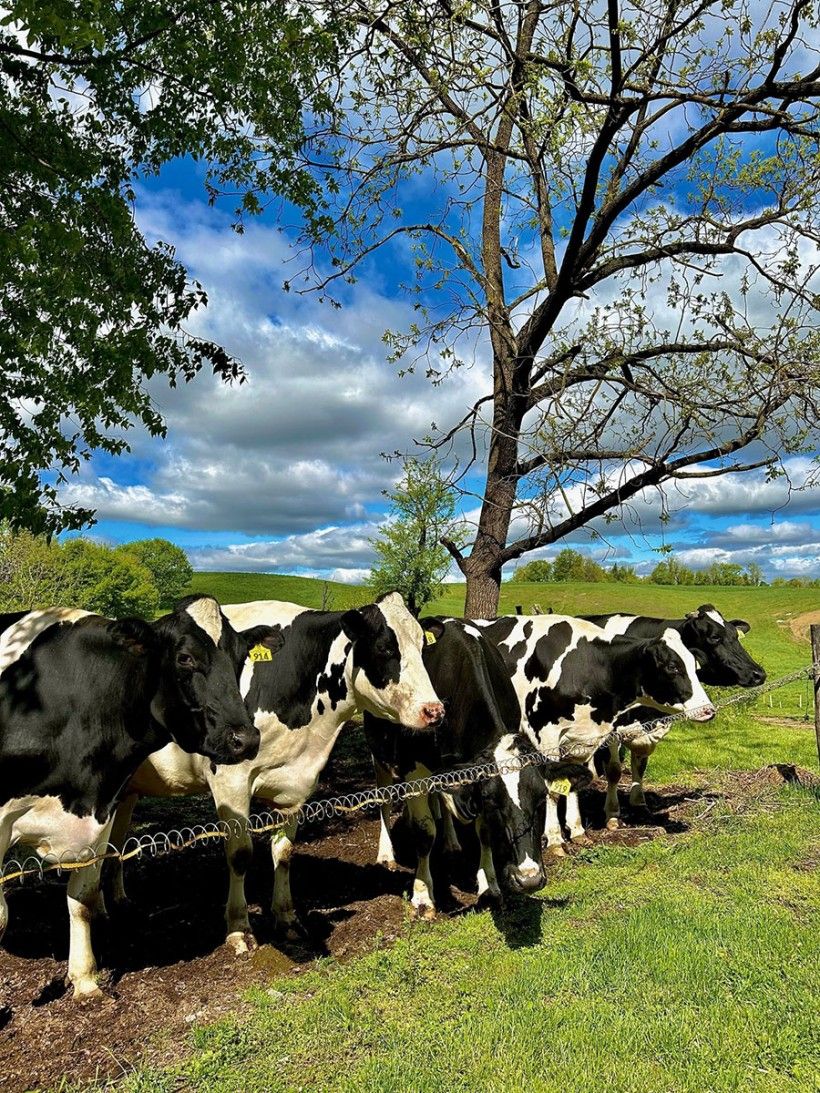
(669, 679)
(512, 808)
(198, 700)
(715, 641)
(389, 678)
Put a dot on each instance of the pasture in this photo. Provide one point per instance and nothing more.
(678, 953)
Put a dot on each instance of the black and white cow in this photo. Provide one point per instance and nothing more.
(481, 725)
(573, 680)
(332, 664)
(721, 661)
(83, 701)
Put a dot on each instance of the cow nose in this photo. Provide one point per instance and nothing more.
(243, 741)
(525, 880)
(705, 713)
(758, 677)
(432, 713)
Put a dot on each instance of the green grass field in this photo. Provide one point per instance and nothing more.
(681, 964)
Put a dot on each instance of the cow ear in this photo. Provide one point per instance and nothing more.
(270, 637)
(354, 625)
(134, 635)
(692, 614)
(433, 630)
(741, 625)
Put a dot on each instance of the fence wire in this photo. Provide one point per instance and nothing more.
(274, 820)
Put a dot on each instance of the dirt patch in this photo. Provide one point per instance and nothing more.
(164, 965)
(800, 624)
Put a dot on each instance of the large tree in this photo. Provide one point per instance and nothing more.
(615, 205)
(93, 97)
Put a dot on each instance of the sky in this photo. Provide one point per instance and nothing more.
(286, 472)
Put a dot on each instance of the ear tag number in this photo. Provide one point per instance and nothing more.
(560, 787)
(429, 637)
(260, 652)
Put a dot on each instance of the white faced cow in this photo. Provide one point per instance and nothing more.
(83, 701)
(573, 680)
(331, 665)
(721, 661)
(481, 725)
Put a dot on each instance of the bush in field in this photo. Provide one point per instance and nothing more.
(29, 571)
(168, 564)
(99, 579)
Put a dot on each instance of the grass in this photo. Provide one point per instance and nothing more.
(685, 965)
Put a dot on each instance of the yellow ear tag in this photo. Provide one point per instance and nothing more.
(260, 652)
(560, 787)
(429, 637)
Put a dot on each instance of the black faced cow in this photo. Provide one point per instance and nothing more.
(721, 661)
(83, 701)
(331, 665)
(573, 680)
(481, 725)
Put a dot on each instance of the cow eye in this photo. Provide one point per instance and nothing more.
(185, 660)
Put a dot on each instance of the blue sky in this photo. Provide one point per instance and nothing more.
(284, 474)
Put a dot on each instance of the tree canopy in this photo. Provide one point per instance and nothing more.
(94, 97)
(410, 556)
(619, 215)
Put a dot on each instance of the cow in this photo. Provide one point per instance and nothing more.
(480, 726)
(331, 665)
(83, 701)
(721, 661)
(573, 680)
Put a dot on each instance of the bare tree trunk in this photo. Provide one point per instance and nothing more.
(483, 567)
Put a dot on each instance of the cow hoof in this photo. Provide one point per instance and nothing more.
(489, 900)
(581, 840)
(554, 850)
(424, 911)
(290, 929)
(388, 863)
(578, 836)
(88, 990)
(613, 823)
(240, 942)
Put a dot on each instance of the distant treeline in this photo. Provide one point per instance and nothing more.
(137, 578)
(572, 565)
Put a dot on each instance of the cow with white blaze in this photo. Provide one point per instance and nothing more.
(721, 661)
(331, 665)
(83, 701)
(481, 725)
(574, 680)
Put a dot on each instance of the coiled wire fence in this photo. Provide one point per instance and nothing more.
(275, 820)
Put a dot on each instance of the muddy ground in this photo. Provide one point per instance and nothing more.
(164, 964)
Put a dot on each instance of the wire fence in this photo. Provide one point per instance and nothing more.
(269, 822)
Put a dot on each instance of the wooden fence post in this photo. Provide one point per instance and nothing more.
(815, 657)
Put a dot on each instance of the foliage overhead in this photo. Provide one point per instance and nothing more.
(94, 97)
(620, 215)
(411, 558)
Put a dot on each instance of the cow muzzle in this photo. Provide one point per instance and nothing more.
(526, 879)
(243, 742)
(430, 715)
(701, 713)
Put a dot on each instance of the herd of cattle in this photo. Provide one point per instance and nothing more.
(248, 700)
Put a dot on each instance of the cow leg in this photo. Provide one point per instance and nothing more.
(5, 839)
(239, 852)
(282, 908)
(638, 759)
(613, 777)
(386, 854)
(553, 836)
(451, 845)
(83, 905)
(119, 833)
(488, 885)
(575, 824)
(423, 827)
